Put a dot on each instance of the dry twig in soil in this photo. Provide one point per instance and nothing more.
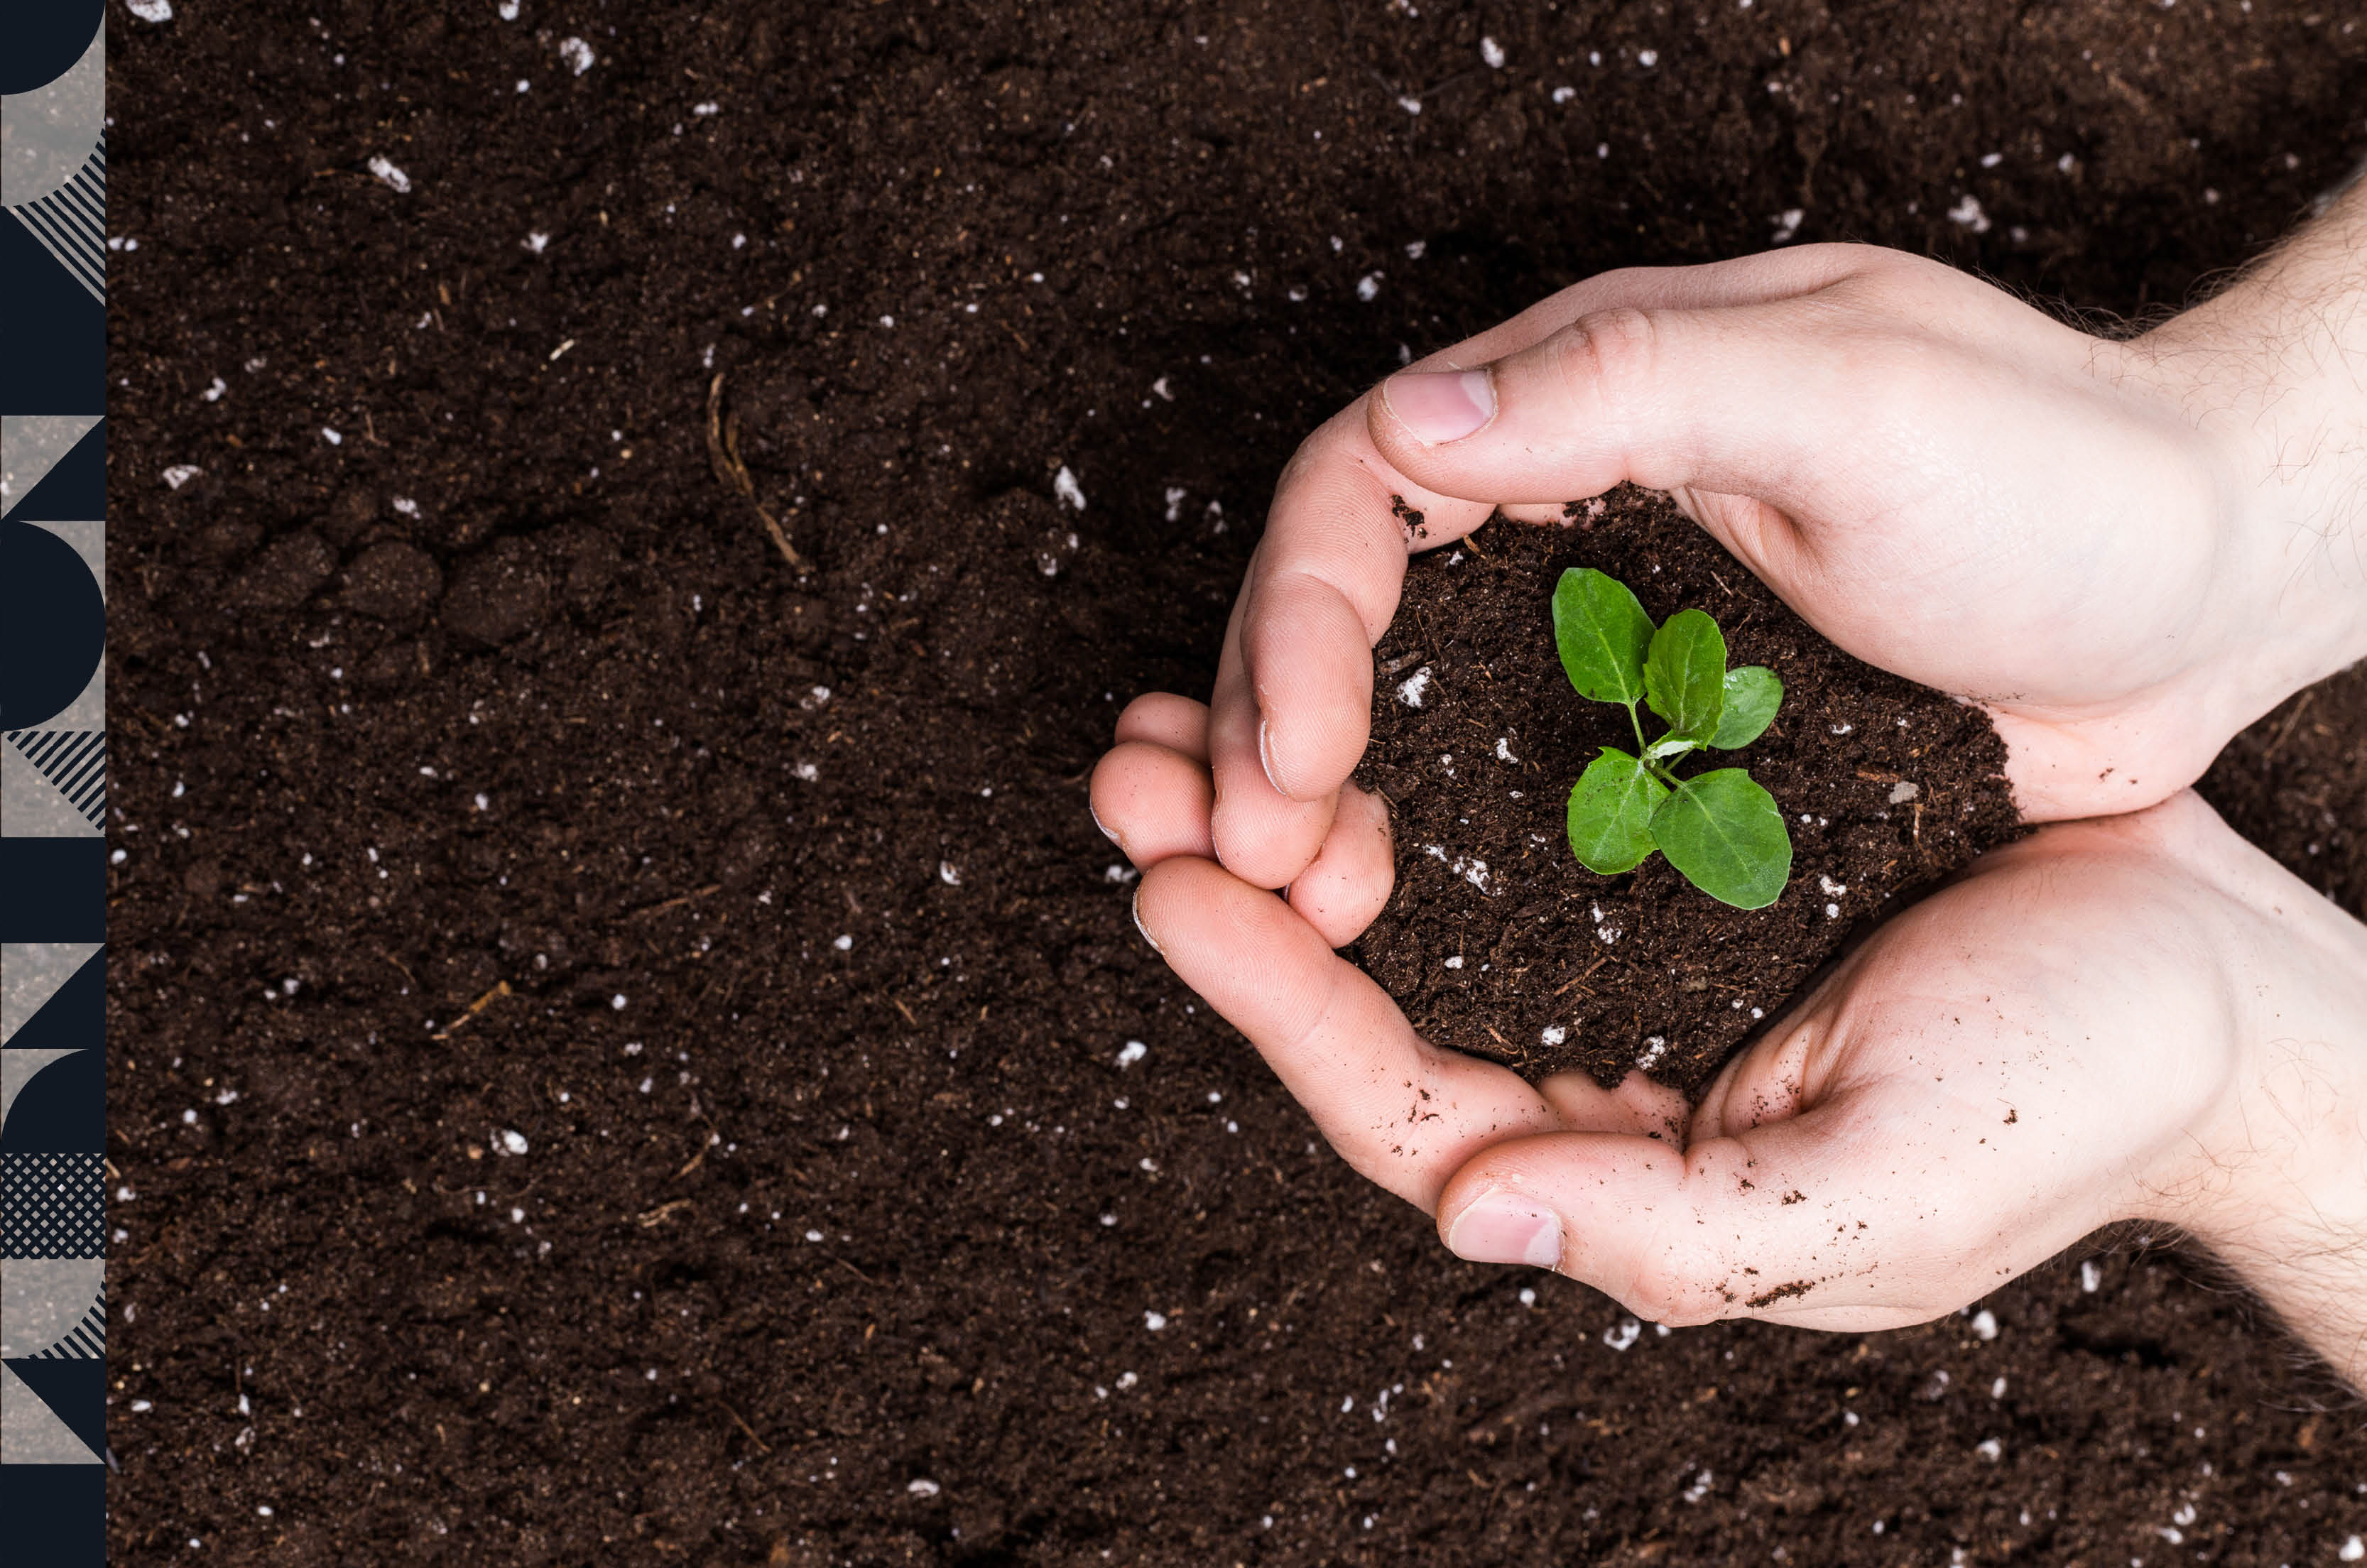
(723, 453)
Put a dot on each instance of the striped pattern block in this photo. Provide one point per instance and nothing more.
(75, 761)
(86, 1341)
(71, 222)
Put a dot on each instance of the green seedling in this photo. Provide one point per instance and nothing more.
(1720, 828)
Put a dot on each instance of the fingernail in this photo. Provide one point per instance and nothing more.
(1265, 756)
(1503, 1227)
(1440, 405)
(1143, 929)
(1105, 827)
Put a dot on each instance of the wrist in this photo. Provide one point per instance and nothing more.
(2274, 1179)
(2272, 374)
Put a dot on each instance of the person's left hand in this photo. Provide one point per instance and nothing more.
(2089, 1026)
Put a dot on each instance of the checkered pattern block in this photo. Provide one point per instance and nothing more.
(53, 1206)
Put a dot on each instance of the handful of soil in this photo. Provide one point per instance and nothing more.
(1496, 941)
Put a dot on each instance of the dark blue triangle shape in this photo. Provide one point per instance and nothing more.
(75, 491)
(76, 1390)
(75, 1018)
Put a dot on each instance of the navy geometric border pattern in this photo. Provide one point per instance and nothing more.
(53, 1453)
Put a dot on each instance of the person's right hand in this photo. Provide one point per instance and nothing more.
(2137, 1016)
(2125, 551)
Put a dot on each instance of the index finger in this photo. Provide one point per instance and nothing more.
(1404, 1113)
(1292, 708)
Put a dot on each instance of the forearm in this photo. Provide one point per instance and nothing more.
(2284, 1165)
(2307, 1257)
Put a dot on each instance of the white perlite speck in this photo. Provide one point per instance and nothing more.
(1968, 214)
(180, 474)
(922, 1486)
(1154, 1321)
(1623, 1334)
(1410, 689)
(1903, 792)
(1654, 1049)
(1563, 95)
(536, 240)
(1474, 871)
(2351, 1551)
(1787, 223)
(152, 10)
(1132, 1052)
(578, 55)
(513, 1143)
(1553, 1034)
(1985, 1325)
(383, 167)
(2091, 1278)
(1066, 488)
(1368, 287)
(1505, 750)
(334, 437)
(1492, 52)
(843, 944)
(1990, 1450)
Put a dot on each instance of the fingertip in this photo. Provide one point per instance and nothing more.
(1141, 926)
(1268, 843)
(1154, 803)
(1352, 877)
(1166, 718)
(1307, 659)
(1435, 407)
(1503, 1225)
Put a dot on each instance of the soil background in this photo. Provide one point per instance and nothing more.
(839, 1231)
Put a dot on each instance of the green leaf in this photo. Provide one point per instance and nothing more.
(1610, 811)
(1753, 695)
(1725, 833)
(1604, 634)
(1684, 675)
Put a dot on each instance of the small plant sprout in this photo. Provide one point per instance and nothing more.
(1720, 828)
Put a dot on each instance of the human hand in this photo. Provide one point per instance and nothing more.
(2125, 551)
(2134, 1017)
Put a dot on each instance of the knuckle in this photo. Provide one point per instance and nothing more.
(1659, 1294)
(1607, 357)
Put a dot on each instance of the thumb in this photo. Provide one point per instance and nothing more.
(1855, 1214)
(1733, 398)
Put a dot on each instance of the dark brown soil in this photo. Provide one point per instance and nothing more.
(1497, 941)
(507, 688)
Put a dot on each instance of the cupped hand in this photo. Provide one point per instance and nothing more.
(2139, 1016)
(2104, 543)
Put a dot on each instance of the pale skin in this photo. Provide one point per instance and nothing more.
(2125, 551)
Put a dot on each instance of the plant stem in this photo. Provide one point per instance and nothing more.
(1643, 746)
